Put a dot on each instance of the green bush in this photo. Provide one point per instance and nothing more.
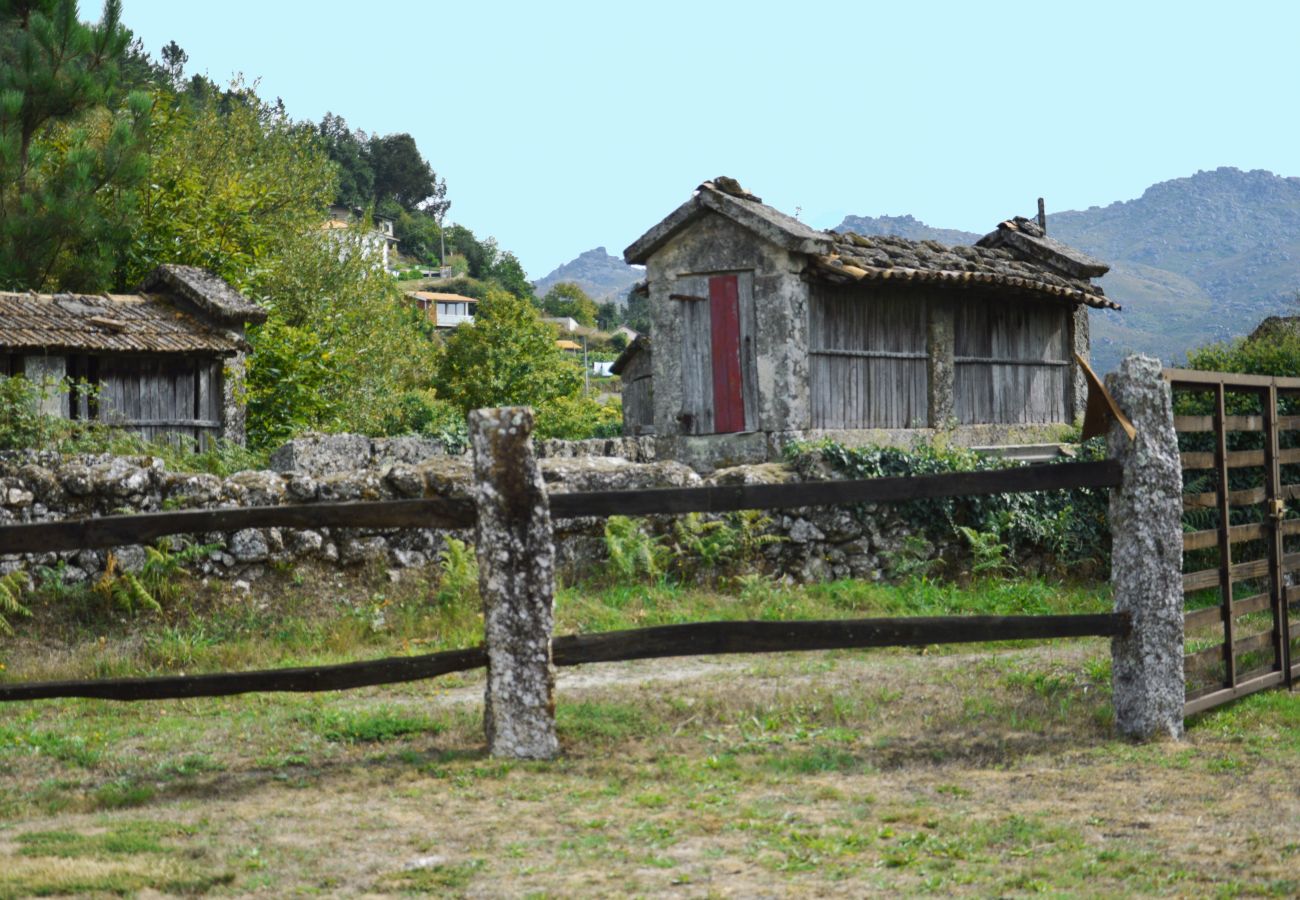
(1069, 525)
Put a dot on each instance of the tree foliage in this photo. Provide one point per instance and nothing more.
(506, 357)
(227, 191)
(70, 148)
(568, 299)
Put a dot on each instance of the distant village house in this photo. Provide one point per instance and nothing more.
(766, 330)
(378, 243)
(444, 310)
(168, 360)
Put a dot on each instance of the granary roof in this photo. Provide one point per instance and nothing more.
(641, 342)
(206, 291)
(1017, 255)
(124, 323)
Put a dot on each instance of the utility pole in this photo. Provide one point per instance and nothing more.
(586, 370)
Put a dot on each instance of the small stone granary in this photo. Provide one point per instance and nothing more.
(168, 360)
(767, 331)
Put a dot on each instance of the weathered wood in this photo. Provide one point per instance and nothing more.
(1013, 363)
(1193, 379)
(728, 382)
(1240, 646)
(1192, 424)
(115, 531)
(696, 414)
(1208, 578)
(723, 498)
(1199, 618)
(516, 564)
(1210, 537)
(1218, 696)
(1222, 461)
(867, 359)
(692, 639)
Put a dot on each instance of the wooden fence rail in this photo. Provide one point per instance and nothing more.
(512, 513)
(692, 639)
(454, 513)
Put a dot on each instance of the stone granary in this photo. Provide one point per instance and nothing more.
(168, 360)
(766, 331)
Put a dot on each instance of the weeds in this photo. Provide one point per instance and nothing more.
(12, 587)
(458, 574)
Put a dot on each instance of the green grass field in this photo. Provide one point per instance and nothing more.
(979, 770)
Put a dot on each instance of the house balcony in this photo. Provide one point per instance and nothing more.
(451, 320)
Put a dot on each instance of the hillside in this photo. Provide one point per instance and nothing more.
(602, 276)
(1193, 259)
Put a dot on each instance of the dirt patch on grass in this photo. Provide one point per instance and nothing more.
(822, 774)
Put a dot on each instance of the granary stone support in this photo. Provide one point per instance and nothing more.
(1080, 339)
(516, 558)
(941, 365)
(1147, 556)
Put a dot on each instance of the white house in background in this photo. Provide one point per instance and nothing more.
(379, 243)
(444, 310)
(564, 323)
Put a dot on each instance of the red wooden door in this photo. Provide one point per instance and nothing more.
(728, 394)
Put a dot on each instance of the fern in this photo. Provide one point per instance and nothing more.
(633, 554)
(12, 587)
(458, 568)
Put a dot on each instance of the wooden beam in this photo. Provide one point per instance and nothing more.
(694, 639)
(723, 498)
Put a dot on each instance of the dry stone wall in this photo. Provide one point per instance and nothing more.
(815, 544)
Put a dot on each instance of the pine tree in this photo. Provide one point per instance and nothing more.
(71, 148)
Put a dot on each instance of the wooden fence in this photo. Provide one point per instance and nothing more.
(512, 507)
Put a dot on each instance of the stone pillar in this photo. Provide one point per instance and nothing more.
(1080, 342)
(1147, 556)
(516, 559)
(941, 368)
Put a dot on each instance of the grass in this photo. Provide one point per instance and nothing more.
(984, 770)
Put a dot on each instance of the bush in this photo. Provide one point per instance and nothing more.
(1069, 525)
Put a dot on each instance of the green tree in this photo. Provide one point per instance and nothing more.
(70, 148)
(568, 299)
(636, 314)
(349, 151)
(228, 189)
(402, 174)
(506, 357)
(609, 315)
(509, 273)
(340, 349)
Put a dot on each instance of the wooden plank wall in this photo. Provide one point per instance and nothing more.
(867, 358)
(698, 401)
(1012, 361)
(160, 396)
(697, 356)
(638, 395)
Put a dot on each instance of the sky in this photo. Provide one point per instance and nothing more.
(564, 126)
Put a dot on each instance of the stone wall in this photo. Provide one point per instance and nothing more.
(37, 486)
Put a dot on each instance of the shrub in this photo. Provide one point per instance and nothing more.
(1070, 525)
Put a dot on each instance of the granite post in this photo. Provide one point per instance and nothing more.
(516, 559)
(1147, 556)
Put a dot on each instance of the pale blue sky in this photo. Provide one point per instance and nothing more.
(563, 126)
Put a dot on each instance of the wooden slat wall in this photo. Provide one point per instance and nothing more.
(867, 359)
(697, 358)
(162, 397)
(989, 390)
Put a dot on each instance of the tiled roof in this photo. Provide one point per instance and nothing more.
(210, 294)
(857, 258)
(106, 322)
(1017, 256)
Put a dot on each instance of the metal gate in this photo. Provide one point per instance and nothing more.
(1239, 442)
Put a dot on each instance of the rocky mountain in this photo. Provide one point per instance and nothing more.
(1192, 260)
(602, 276)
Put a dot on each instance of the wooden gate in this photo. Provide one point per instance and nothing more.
(1239, 442)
